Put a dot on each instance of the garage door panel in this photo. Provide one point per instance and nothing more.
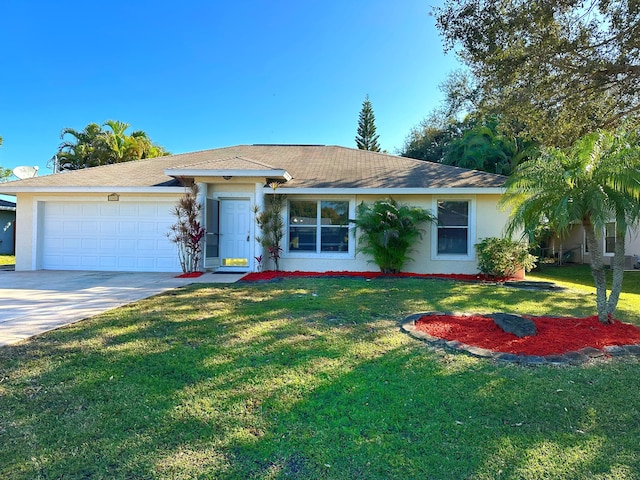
(90, 263)
(108, 227)
(72, 209)
(108, 236)
(147, 245)
(91, 210)
(107, 244)
(129, 210)
(71, 262)
(128, 228)
(72, 244)
(90, 228)
(69, 226)
(146, 228)
(107, 262)
(89, 243)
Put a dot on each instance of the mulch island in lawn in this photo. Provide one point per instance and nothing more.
(555, 336)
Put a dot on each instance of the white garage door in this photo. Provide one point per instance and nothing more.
(113, 236)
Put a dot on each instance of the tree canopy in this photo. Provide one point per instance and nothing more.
(94, 146)
(478, 144)
(366, 138)
(554, 69)
(430, 139)
(591, 184)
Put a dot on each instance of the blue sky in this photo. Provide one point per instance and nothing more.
(204, 74)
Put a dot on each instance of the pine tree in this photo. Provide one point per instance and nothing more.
(366, 139)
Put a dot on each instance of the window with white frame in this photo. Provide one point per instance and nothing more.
(453, 227)
(318, 226)
(609, 239)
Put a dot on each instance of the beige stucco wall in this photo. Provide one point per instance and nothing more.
(24, 231)
(489, 221)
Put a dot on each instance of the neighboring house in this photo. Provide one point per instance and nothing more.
(116, 217)
(573, 246)
(7, 227)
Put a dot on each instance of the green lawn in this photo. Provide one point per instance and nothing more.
(311, 378)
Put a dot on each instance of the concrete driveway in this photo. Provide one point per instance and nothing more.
(35, 302)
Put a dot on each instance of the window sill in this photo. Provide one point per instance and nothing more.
(454, 257)
(342, 255)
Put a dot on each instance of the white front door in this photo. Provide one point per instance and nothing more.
(235, 234)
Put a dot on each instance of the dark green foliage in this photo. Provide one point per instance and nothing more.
(560, 69)
(366, 139)
(388, 231)
(477, 144)
(503, 257)
(430, 140)
(484, 147)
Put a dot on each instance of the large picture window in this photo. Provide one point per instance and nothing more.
(318, 226)
(453, 227)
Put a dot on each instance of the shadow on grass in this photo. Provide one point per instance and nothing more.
(409, 415)
(303, 379)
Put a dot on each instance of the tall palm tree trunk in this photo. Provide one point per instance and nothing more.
(597, 268)
(618, 268)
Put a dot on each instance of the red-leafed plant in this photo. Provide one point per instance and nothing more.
(187, 233)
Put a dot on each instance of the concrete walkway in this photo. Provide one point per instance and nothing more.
(35, 302)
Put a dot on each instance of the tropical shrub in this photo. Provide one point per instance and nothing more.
(187, 233)
(388, 231)
(503, 257)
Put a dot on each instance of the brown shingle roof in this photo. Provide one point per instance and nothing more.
(310, 166)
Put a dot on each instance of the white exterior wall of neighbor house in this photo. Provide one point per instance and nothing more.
(487, 220)
(98, 246)
(574, 242)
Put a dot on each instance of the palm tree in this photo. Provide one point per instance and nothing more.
(84, 150)
(116, 140)
(95, 146)
(594, 182)
(484, 147)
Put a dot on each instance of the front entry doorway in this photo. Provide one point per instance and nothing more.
(235, 234)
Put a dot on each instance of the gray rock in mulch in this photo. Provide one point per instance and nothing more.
(519, 326)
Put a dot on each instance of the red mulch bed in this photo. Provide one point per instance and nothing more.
(555, 335)
(273, 275)
(190, 275)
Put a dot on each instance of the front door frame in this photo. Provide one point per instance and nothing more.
(249, 198)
